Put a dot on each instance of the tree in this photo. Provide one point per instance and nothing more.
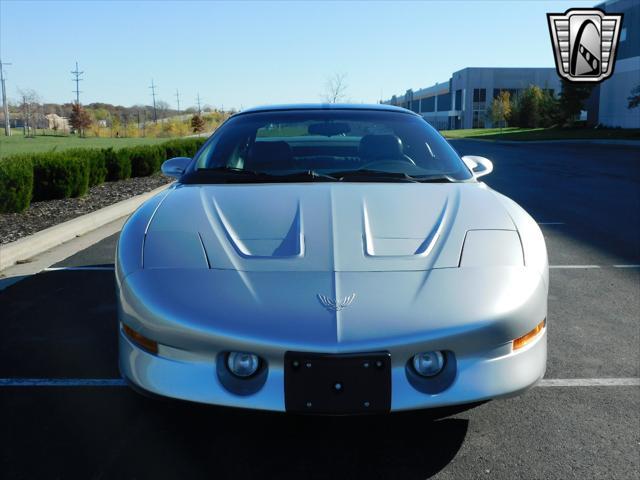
(163, 108)
(501, 109)
(534, 108)
(197, 124)
(79, 118)
(336, 88)
(634, 99)
(529, 107)
(30, 100)
(571, 103)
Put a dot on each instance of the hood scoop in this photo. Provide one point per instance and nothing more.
(325, 227)
(276, 241)
(402, 246)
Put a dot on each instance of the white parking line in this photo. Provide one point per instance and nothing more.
(589, 382)
(72, 269)
(119, 382)
(62, 382)
(592, 266)
(574, 266)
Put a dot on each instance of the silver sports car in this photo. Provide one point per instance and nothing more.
(331, 259)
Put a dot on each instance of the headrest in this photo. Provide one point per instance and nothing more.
(380, 147)
(270, 154)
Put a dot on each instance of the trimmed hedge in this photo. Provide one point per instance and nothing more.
(56, 175)
(16, 184)
(118, 164)
(184, 147)
(70, 173)
(145, 159)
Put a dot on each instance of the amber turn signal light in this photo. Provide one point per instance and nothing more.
(140, 340)
(527, 337)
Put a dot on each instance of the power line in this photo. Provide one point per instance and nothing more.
(178, 100)
(5, 105)
(199, 109)
(76, 78)
(153, 94)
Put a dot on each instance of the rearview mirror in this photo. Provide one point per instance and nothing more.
(329, 129)
(175, 167)
(480, 166)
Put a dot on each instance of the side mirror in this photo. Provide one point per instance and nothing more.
(175, 167)
(480, 166)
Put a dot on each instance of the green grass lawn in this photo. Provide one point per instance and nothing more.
(19, 144)
(527, 134)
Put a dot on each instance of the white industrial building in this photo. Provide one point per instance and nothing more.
(608, 105)
(463, 101)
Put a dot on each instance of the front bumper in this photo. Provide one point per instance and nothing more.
(495, 373)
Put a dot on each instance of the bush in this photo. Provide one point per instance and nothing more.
(118, 164)
(145, 159)
(58, 175)
(16, 184)
(97, 164)
(185, 147)
(51, 175)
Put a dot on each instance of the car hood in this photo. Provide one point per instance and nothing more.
(320, 227)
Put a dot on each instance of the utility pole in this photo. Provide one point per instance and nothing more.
(153, 95)
(199, 109)
(5, 105)
(178, 100)
(76, 78)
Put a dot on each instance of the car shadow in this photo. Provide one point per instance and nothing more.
(246, 444)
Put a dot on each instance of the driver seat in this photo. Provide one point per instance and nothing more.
(268, 155)
(380, 147)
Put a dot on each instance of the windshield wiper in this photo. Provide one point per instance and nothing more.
(231, 171)
(307, 175)
(372, 176)
(434, 179)
(235, 174)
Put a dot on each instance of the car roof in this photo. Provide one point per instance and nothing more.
(327, 106)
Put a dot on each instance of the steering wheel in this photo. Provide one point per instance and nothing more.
(388, 163)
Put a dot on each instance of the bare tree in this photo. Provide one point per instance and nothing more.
(163, 108)
(30, 101)
(336, 88)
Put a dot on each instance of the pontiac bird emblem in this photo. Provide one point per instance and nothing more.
(333, 305)
(584, 43)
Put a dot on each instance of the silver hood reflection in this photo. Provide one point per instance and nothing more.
(326, 267)
(326, 227)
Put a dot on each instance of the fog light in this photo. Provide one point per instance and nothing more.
(140, 340)
(527, 337)
(242, 364)
(428, 364)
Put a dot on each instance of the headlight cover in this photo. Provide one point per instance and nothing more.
(428, 364)
(242, 364)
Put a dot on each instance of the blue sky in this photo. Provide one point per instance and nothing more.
(240, 54)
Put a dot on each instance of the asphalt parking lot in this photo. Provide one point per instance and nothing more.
(60, 326)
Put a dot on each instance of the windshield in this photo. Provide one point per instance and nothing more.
(327, 145)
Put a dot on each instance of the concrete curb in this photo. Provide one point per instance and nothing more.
(27, 247)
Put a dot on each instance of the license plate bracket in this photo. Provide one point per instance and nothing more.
(337, 383)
